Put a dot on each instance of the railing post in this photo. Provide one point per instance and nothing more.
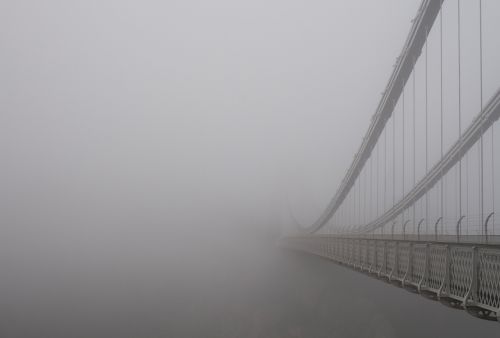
(337, 249)
(348, 250)
(472, 292)
(404, 229)
(367, 254)
(486, 226)
(395, 267)
(340, 250)
(396, 261)
(344, 249)
(436, 228)
(392, 229)
(418, 228)
(330, 248)
(426, 268)
(345, 244)
(459, 223)
(409, 268)
(362, 256)
(351, 251)
(446, 279)
(385, 257)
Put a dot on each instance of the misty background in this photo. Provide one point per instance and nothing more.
(150, 151)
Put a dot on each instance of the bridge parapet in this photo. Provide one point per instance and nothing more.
(459, 275)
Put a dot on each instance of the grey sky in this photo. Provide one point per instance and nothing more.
(188, 104)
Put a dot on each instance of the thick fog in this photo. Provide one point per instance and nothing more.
(151, 152)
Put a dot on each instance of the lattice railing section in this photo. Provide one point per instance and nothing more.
(436, 268)
(459, 275)
(488, 290)
(418, 264)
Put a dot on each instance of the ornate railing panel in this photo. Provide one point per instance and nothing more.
(403, 256)
(488, 292)
(460, 271)
(418, 263)
(380, 255)
(437, 267)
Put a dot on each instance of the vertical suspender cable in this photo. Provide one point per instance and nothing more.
(371, 188)
(426, 131)
(339, 223)
(459, 114)
(361, 200)
(345, 211)
(403, 144)
(356, 206)
(378, 176)
(360, 222)
(492, 126)
(354, 200)
(349, 209)
(353, 206)
(414, 139)
(367, 199)
(481, 161)
(385, 169)
(365, 192)
(345, 214)
(394, 156)
(441, 110)
(341, 218)
(467, 169)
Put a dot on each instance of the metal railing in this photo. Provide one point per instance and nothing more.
(459, 275)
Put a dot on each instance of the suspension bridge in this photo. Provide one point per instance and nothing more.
(417, 205)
